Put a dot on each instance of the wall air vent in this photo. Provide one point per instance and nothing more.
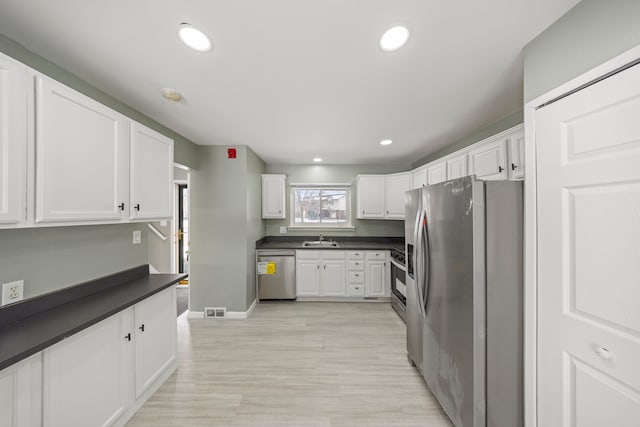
(215, 312)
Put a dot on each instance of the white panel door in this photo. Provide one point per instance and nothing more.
(437, 172)
(151, 174)
(489, 160)
(308, 277)
(376, 281)
(334, 278)
(419, 177)
(516, 156)
(273, 196)
(371, 203)
(457, 167)
(82, 158)
(20, 393)
(155, 323)
(13, 140)
(395, 186)
(85, 379)
(588, 180)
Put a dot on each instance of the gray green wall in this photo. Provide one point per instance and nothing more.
(591, 33)
(225, 224)
(184, 149)
(327, 174)
(483, 133)
(48, 259)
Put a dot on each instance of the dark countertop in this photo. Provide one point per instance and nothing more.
(35, 324)
(346, 243)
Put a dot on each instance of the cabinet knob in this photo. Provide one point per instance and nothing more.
(279, 211)
(362, 212)
(387, 212)
(121, 206)
(318, 266)
(357, 263)
(325, 267)
(603, 353)
(500, 168)
(513, 166)
(137, 207)
(127, 337)
(141, 327)
(357, 275)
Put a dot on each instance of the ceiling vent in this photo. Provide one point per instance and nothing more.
(215, 312)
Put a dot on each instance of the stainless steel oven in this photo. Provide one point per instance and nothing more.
(398, 283)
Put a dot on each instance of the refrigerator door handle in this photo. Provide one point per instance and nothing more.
(425, 257)
(419, 280)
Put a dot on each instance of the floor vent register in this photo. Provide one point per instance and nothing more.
(215, 312)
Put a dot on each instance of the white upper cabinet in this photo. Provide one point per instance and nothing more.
(419, 177)
(151, 175)
(395, 186)
(371, 202)
(273, 196)
(13, 140)
(436, 172)
(81, 156)
(457, 166)
(489, 160)
(516, 156)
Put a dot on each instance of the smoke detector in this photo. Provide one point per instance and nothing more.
(171, 94)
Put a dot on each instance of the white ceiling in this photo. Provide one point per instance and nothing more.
(296, 79)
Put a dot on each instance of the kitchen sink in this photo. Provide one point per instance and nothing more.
(320, 244)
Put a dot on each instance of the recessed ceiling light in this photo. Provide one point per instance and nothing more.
(194, 38)
(394, 38)
(317, 159)
(386, 142)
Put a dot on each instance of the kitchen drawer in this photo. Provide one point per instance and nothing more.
(355, 277)
(356, 265)
(355, 290)
(377, 255)
(355, 254)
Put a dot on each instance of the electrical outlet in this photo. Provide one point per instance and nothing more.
(283, 229)
(137, 237)
(12, 292)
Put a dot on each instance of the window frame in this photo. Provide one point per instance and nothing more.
(348, 225)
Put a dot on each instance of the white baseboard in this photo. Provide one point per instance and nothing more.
(343, 299)
(195, 314)
(241, 315)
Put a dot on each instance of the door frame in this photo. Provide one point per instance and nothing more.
(174, 223)
(530, 222)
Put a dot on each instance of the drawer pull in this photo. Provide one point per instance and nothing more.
(603, 353)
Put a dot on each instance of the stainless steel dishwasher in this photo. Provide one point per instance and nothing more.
(276, 273)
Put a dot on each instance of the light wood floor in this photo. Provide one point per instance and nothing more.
(294, 364)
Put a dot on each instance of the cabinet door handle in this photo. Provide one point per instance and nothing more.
(128, 337)
(513, 166)
(141, 327)
(362, 212)
(325, 267)
(121, 206)
(357, 275)
(318, 266)
(137, 207)
(500, 168)
(387, 212)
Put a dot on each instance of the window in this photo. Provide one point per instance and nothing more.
(320, 206)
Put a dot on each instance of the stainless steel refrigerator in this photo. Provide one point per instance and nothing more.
(464, 250)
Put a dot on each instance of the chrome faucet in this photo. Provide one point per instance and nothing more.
(321, 238)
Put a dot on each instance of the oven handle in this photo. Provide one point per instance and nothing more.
(398, 265)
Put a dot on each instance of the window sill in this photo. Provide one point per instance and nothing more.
(306, 227)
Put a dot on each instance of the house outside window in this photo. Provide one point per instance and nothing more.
(315, 206)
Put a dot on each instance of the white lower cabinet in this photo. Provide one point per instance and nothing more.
(99, 376)
(378, 279)
(321, 273)
(20, 393)
(86, 377)
(335, 273)
(155, 323)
